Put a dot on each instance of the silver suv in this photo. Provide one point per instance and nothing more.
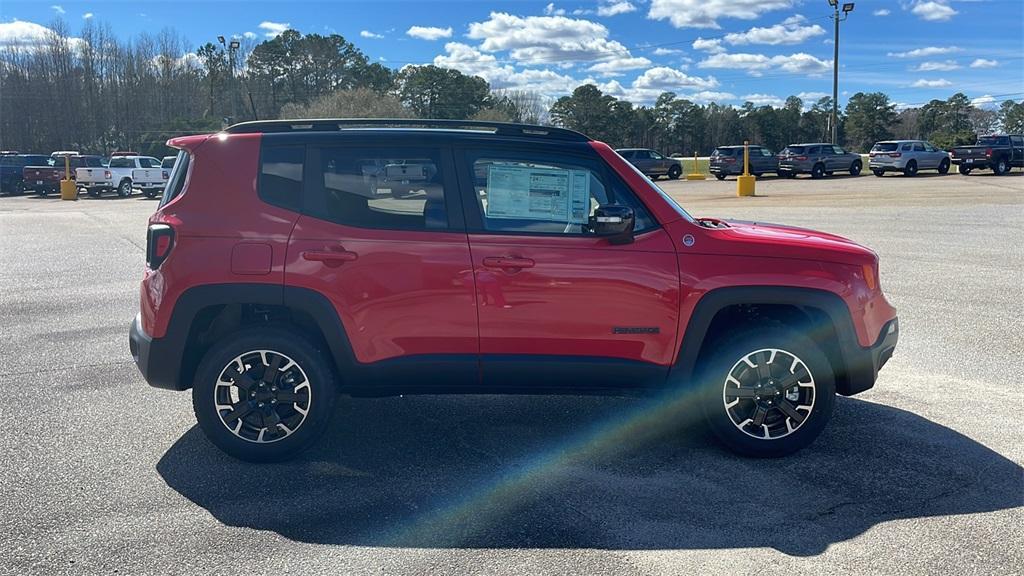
(652, 163)
(907, 156)
(817, 159)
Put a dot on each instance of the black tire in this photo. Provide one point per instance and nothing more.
(944, 166)
(149, 193)
(786, 435)
(675, 172)
(818, 171)
(94, 192)
(720, 176)
(1000, 167)
(758, 174)
(878, 173)
(910, 169)
(856, 167)
(963, 169)
(310, 367)
(124, 189)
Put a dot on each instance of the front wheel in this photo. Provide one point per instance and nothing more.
(963, 170)
(263, 394)
(675, 172)
(767, 392)
(878, 173)
(855, 168)
(944, 166)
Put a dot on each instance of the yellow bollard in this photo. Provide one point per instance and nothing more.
(745, 183)
(696, 174)
(68, 190)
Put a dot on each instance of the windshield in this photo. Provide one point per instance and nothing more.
(793, 150)
(722, 152)
(885, 147)
(994, 141)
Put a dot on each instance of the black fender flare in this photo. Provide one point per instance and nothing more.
(853, 359)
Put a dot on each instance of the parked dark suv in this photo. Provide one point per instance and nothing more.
(818, 160)
(652, 162)
(293, 262)
(728, 160)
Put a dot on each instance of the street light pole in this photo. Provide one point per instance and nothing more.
(836, 19)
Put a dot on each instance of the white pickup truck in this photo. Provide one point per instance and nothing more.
(122, 175)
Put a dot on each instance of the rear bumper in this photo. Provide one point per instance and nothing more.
(154, 357)
(972, 162)
(863, 364)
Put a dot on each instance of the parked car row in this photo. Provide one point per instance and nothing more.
(999, 153)
(123, 173)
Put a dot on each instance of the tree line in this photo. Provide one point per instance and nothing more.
(98, 93)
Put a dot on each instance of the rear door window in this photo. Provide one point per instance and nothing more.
(393, 188)
(918, 147)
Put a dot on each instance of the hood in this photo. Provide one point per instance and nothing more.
(738, 237)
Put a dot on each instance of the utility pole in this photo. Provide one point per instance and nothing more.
(232, 48)
(836, 19)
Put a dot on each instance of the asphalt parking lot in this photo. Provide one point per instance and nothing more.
(920, 475)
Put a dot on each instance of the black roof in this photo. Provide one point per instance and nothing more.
(340, 124)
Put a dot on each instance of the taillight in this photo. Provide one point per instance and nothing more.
(159, 242)
(952, 153)
(988, 152)
(895, 154)
(728, 159)
(801, 158)
(106, 174)
(165, 174)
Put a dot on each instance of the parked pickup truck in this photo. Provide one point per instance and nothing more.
(120, 176)
(997, 152)
(11, 171)
(150, 180)
(45, 177)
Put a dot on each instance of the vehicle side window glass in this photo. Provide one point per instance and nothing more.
(1017, 140)
(813, 150)
(523, 194)
(387, 188)
(766, 152)
(657, 156)
(918, 147)
(122, 163)
(628, 154)
(176, 179)
(281, 176)
(837, 151)
(906, 147)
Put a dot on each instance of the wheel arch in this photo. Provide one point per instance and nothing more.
(819, 314)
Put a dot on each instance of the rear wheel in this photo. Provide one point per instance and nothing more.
(675, 172)
(878, 173)
(963, 169)
(856, 167)
(1000, 167)
(767, 392)
(125, 188)
(818, 171)
(910, 169)
(720, 176)
(264, 394)
(944, 166)
(149, 193)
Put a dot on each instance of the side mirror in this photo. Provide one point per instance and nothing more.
(614, 222)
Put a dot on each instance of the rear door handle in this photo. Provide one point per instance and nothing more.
(508, 262)
(329, 257)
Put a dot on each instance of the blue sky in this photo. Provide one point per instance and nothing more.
(723, 50)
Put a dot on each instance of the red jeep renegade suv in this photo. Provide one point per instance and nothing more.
(291, 262)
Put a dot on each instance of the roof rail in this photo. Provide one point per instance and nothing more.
(338, 124)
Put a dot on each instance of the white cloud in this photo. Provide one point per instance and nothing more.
(614, 7)
(87, 15)
(922, 52)
(756, 64)
(249, 35)
(940, 83)
(937, 66)
(429, 32)
(712, 45)
(550, 10)
(666, 51)
(933, 11)
(983, 101)
(273, 29)
(58, 9)
(791, 31)
(368, 34)
(616, 66)
(983, 63)
(469, 60)
(663, 78)
(19, 35)
(548, 39)
(705, 13)
(763, 99)
(812, 95)
(882, 12)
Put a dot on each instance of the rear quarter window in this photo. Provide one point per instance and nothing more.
(281, 176)
(177, 179)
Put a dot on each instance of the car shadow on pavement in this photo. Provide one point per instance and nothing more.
(570, 472)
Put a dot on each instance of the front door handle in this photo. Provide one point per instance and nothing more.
(508, 262)
(330, 257)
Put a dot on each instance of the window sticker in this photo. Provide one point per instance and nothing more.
(532, 193)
